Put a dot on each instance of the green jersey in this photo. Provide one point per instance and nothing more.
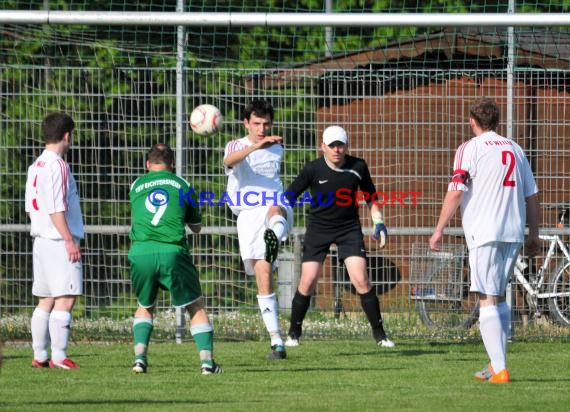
(161, 204)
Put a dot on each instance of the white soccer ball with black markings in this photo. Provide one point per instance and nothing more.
(206, 120)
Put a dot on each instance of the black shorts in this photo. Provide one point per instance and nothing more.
(318, 239)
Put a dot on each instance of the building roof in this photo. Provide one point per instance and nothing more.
(461, 48)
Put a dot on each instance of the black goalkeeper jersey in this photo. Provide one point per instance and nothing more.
(333, 194)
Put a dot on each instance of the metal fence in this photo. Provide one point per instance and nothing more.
(407, 133)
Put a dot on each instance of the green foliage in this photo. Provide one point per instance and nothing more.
(107, 77)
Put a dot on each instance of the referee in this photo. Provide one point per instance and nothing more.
(337, 181)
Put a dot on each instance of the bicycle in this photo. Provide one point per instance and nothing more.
(439, 283)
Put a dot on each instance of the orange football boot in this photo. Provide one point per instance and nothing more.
(501, 377)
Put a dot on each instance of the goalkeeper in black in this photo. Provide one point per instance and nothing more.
(337, 183)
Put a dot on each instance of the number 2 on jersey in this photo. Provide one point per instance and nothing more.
(509, 160)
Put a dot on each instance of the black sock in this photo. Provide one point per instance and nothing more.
(299, 308)
(371, 306)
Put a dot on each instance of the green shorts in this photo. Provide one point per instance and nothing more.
(156, 265)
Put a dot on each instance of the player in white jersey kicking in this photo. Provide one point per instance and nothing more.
(52, 203)
(495, 186)
(264, 219)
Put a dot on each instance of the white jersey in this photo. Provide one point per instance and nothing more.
(255, 181)
(496, 177)
(51, 188)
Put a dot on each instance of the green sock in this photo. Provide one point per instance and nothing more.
(142, 329)
(204, 341)
(204, 337)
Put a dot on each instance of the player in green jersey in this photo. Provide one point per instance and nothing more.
(161, 206)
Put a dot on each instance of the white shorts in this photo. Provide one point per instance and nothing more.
(251, 224)
(491, 267)
(54, 274)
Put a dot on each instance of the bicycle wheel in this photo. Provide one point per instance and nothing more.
(559, 306)
(449, 314)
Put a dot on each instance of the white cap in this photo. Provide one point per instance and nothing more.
(334, 134)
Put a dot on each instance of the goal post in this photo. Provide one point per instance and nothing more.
(221, 19)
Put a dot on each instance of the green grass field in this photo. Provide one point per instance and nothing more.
(320, 375)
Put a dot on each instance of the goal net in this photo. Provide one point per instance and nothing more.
(402, 93)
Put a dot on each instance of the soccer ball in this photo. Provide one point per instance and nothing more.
(206, 119)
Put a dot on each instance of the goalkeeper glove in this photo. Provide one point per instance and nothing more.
(380, 232)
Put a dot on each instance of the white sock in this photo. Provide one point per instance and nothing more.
(505, 315)
(278, 224)
(492, 334)
(268, 308)
(59, 330)
(40, 334)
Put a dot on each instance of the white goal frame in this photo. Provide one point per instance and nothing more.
(185, 19)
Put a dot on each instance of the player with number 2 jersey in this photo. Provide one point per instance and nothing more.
(494, 185)
(493, 171)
